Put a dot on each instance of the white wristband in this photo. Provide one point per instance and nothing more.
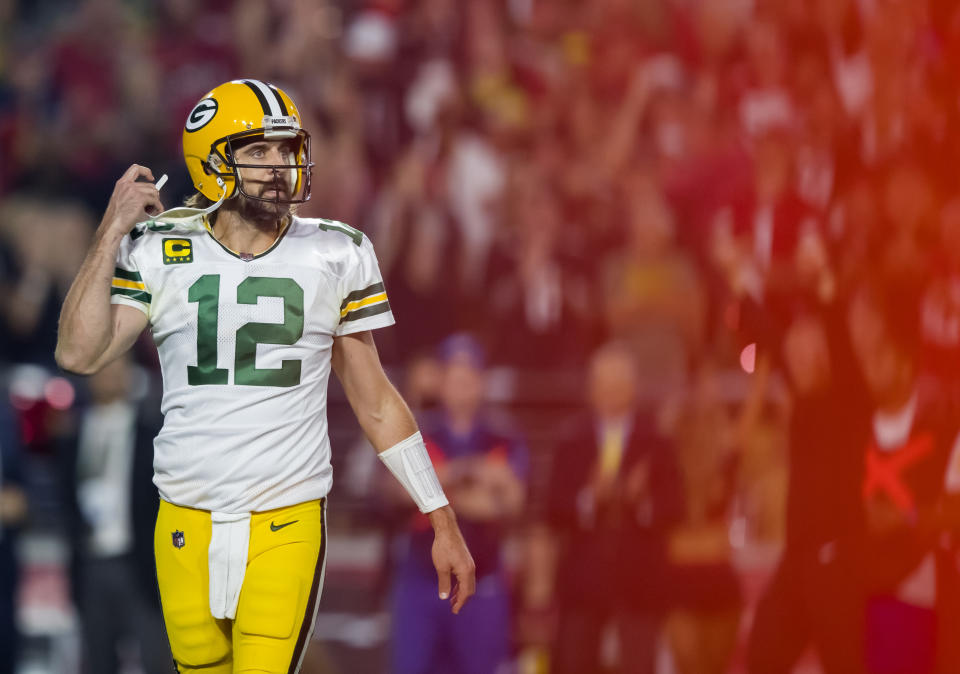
(410, 464)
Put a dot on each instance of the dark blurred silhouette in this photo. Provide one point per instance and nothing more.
(814, 597)
(35, 268)
(13, 511)
(613, 494)
(908, 572)
(111, 508)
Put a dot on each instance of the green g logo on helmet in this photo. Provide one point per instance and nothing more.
(201, 114)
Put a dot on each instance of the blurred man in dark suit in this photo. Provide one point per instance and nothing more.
(613, 494)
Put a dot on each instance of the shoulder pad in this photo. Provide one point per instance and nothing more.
(175, 219)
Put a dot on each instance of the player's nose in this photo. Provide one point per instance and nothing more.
(278, 154)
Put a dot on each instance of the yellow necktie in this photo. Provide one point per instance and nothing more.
(611, 451)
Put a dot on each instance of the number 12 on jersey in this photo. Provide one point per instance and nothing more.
(205, 292)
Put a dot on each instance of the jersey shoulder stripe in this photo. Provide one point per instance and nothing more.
(127, 275)
(130, 284)
(358, 295)
(369, 301)
(138, 295)
(382, 306)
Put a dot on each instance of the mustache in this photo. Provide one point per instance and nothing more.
(279, 185)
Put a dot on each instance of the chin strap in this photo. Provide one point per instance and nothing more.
(186, 212)
(223, 195)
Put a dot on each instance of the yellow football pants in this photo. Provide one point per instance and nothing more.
(278, 599)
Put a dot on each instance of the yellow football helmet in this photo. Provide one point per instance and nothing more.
(234, 112)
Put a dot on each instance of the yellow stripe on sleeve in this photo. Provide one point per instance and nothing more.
(124, 283)
(367, 301)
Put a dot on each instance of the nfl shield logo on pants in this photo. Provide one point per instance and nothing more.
(178, 541)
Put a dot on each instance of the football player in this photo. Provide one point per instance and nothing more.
(250, 307)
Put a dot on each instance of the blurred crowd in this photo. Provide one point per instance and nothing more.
(675, 280)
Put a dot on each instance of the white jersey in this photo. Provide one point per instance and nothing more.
(245, 344)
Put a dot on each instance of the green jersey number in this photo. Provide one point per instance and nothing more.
(206, 293)
(332, 225)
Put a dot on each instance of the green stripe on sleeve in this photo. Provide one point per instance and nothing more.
(138, 295)
(127, 275)
(375, 289)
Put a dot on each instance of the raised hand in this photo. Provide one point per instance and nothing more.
(131, 201)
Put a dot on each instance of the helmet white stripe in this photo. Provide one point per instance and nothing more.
(272, 99)
(283, 106)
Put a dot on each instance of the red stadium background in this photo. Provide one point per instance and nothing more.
(749, 199)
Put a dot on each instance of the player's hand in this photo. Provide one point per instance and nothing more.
(451, 557)
(494, 473)
(638, 482)
(603, 486)
(131, 201)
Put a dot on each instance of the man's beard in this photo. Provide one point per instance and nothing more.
(263, 213)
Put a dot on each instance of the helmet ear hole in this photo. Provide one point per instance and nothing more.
(212, 164)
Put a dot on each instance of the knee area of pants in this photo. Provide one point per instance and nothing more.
(256, 653)
(194, 640)
(269, 607)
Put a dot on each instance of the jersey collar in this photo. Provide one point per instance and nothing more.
(246, 257)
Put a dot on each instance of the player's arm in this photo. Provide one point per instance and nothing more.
(92, 330)
(389, 425)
